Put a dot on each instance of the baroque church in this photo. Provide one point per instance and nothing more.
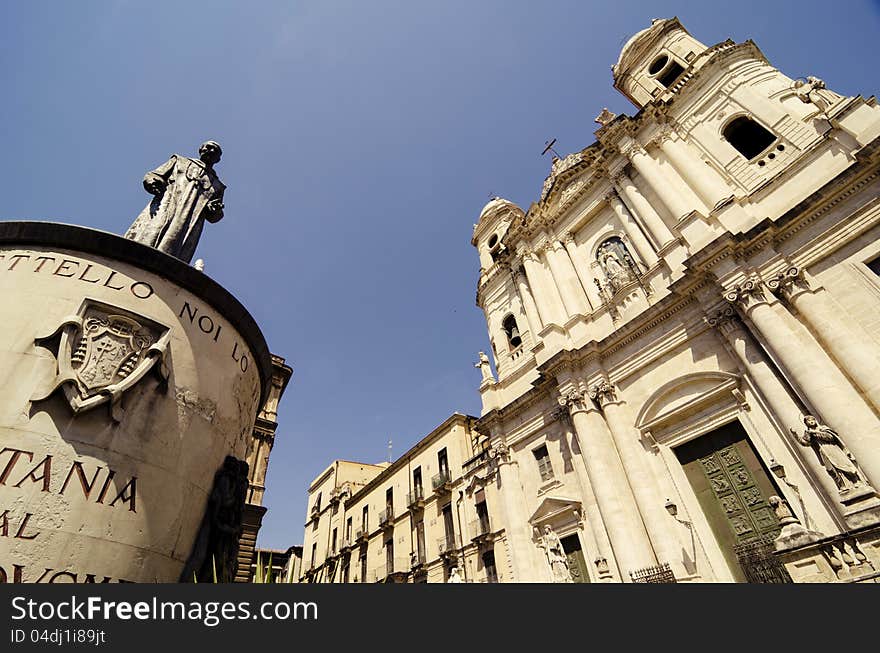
(685, 333)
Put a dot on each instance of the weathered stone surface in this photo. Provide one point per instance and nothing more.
(117, 490)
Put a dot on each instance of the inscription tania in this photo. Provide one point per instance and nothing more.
(74, 475)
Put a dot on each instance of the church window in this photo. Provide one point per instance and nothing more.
(495, 247)
(671, 73)
(658, 64)
(665, 70)
(511, 330)
(542, 456)
(748, 137)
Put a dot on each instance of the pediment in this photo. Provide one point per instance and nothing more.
(685, 396)
(553, 506)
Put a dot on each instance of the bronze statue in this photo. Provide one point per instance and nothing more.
(186, 193)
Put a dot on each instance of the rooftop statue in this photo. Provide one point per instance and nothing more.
(186, 192)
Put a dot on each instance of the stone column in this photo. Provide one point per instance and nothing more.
(528, 301)
(582, 271)
(642, 209)
(853, 348)
(515, 517)
(638, 239)
(630, 542)
(653, 174)
(535, 273)
(754, 363)
(705, 182)
(650, 500)
(595, 527)
(573, 297)
(822, 382)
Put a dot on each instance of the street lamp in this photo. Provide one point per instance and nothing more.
(672, 509)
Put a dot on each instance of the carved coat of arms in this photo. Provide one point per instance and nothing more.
(103, 351)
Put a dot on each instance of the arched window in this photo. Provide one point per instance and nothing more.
(748, 137)
(665, 70)
(511, 331)
(495, 247)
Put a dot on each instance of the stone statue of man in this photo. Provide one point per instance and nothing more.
(832, 453)
(186, 192)
(483, 366)
(556, 557)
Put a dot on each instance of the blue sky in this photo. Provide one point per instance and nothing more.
(361, 140)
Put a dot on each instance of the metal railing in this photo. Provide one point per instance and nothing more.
(415, 497)
(398, 565)
(758, 562)
(386, 516)
(362, 534)
(441, 480)
(417, 558)
(659, 574)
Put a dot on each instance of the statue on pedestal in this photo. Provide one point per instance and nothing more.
(832, 453)
(485, 369)
(186, 192)
(556, 557)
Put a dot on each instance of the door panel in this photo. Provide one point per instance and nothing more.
(732, 487)
(576, 563)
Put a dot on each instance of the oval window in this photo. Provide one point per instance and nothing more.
(658, 64)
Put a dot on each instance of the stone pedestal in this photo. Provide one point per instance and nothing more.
(126, 378)
(861, 507)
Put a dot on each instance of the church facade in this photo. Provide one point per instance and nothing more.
(686, 331)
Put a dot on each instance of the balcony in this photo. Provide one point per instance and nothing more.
(481, 531)
(417, 559)
(415, 500)
(441, 483)
(394, 571)
(446, 546)
(386, 518)
(362, 535)
(345, 545)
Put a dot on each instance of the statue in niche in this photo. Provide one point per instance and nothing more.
(617, 264)
(556, 557)
(832, 453)
(485, 369)
(216, 547)
(186, 192)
